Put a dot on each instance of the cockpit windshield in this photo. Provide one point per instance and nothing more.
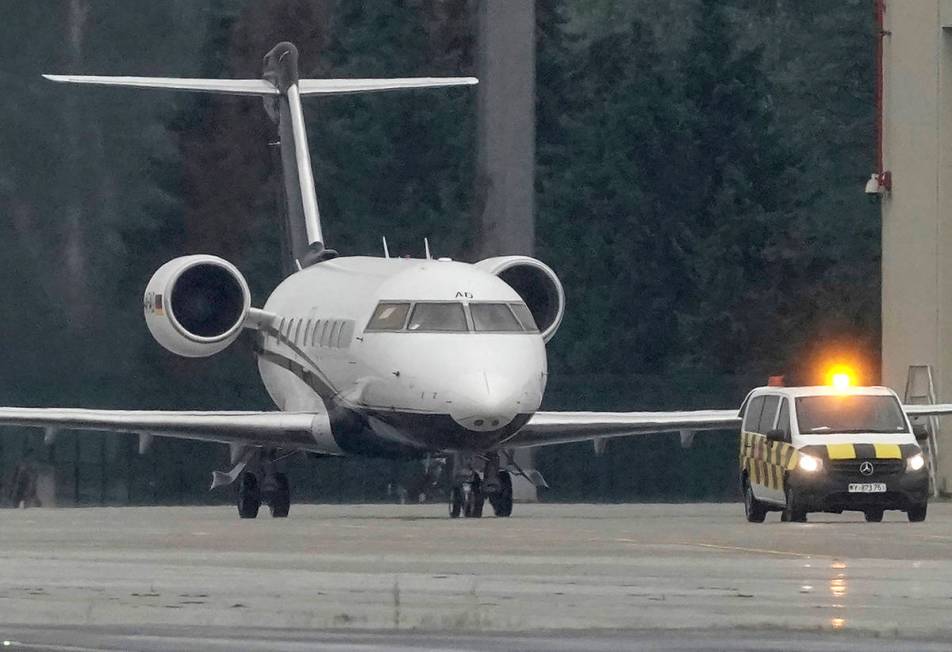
(525, 317)
(389, 317)
(494, 317)
(444, 317)
(452, 317)
(849, 413)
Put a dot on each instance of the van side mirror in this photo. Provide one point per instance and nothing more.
(776, 435)
(920, 431)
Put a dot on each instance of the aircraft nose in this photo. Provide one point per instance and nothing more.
(486, 401)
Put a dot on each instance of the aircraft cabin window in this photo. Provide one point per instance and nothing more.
(316, 335)
(442, 317)
(495, 317)
(389, 317)
(346, 333)
(335, 334)
(525, 317)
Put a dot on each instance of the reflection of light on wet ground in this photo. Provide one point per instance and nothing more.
(838, 586)
(838, 589)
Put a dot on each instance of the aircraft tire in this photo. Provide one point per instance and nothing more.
(249, 496)
(502, 501)
(917, 513)
(456, 501)
(280, 503)
(473, 500)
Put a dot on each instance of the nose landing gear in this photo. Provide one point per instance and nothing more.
(502, 500)
(467, 498)
(469, 492)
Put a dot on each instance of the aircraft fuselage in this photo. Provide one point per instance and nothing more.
(426, 381)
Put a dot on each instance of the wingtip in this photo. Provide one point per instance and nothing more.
(53, 77)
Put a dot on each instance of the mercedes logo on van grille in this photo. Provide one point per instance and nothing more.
(866, 468)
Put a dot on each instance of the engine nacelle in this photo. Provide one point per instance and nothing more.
(538, 286)
(195, 305)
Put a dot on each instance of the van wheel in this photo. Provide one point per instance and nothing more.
(755, 510)
(874, 515)
(917, 513)
(793, 512)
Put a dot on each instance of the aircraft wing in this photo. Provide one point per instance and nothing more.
(545, 428)
(928, 409)
(277, 429)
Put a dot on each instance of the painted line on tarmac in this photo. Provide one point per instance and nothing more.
(715, 546)
(763, 551)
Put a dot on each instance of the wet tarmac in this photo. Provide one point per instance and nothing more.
(655, 576)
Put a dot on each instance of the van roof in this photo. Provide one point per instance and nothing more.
(823, 390)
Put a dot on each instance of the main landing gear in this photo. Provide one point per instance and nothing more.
(470, 491)
(274, 490)
(271, 488)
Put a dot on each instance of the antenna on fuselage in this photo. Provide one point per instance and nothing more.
(386, 249)
(426, 247)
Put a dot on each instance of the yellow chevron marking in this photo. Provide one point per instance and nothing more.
(793, 461)
(888, 451)
(841, 451)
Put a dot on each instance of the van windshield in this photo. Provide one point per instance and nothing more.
(838, 414)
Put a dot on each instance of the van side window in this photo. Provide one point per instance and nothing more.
(752, 417)
(769, 413)
(783, 421)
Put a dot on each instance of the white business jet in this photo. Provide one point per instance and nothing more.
(386, 357)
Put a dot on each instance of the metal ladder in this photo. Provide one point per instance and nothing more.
(920, 390)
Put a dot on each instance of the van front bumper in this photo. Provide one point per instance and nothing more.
(829, 492)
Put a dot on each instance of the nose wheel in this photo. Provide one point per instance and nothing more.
(468, 498)
(502, 499)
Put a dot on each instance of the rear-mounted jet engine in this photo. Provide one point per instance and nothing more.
(195, 306)
(538, 286)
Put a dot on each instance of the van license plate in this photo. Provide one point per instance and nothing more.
(867, 487)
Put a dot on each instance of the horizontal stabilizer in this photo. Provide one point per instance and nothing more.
(226, 86)
(262, 87)
(344, 86)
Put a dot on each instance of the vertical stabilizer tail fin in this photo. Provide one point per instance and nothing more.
(282, 89)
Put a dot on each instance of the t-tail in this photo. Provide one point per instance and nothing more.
(282, 90)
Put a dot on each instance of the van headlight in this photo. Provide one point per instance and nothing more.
(809, 463)
(915, 462)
